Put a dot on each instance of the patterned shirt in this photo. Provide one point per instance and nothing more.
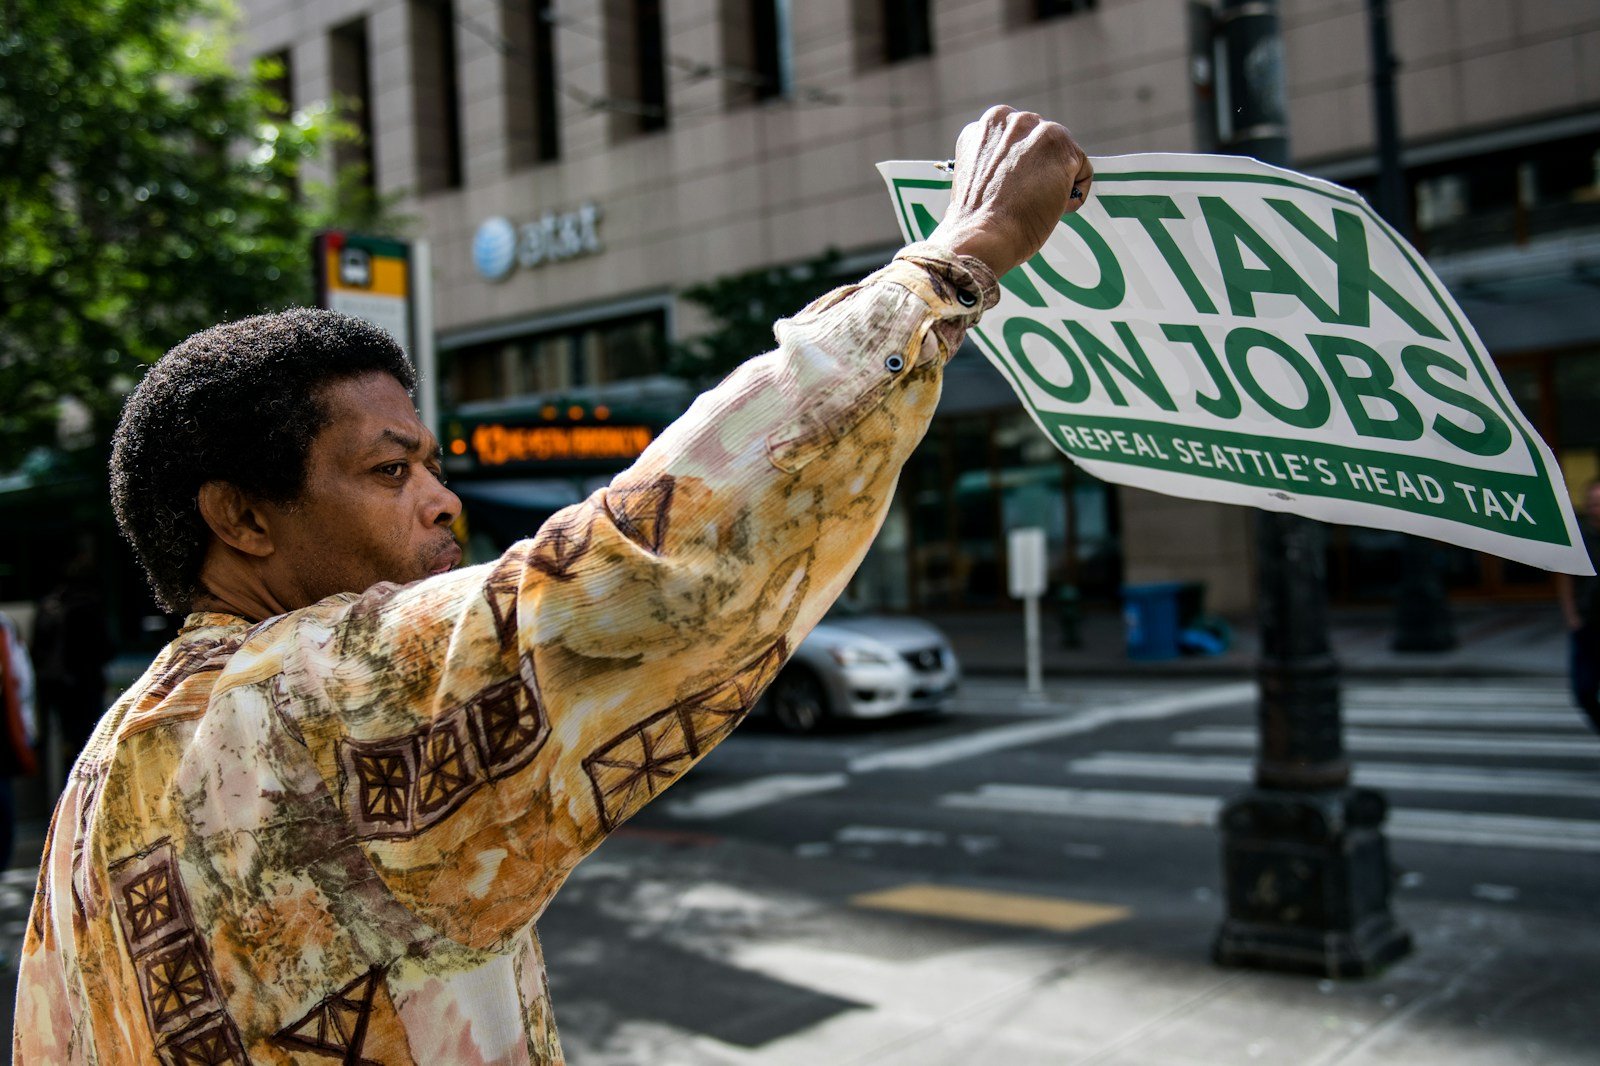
(327, 836)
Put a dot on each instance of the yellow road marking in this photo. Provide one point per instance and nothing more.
(994, 908)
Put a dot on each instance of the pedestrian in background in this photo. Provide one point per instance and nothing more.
(70, 652)
(18, 729)
(1580, 604)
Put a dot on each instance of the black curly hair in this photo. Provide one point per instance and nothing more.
(238, 402)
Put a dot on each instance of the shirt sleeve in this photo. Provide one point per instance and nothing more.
(482, 731)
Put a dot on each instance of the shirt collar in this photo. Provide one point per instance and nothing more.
(212, 620)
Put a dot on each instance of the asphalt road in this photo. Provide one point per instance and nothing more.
(1495, 789)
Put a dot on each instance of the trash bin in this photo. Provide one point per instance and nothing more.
(1156, 613)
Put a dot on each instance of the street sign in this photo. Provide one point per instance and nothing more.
(368, 277)
(1028, 572)
(1026, 562)
(1217, 328)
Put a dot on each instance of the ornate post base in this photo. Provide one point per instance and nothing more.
(1308, 883)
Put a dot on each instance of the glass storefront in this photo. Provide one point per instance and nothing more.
(974, 478)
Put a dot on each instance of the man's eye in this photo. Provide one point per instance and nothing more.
(394, 470)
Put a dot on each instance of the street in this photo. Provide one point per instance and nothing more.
(1022, 883)
(925, 890)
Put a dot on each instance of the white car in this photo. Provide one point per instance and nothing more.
(856, 665)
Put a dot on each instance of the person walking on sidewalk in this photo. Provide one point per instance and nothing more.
(19, 729)
(71, 649)
(1580, 607)
(326, 818)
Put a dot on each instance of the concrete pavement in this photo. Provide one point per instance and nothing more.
(804, 969)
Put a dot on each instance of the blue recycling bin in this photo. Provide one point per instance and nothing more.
(1153, 614)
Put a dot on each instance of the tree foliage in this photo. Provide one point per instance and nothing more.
(742, 308)
(148, 188)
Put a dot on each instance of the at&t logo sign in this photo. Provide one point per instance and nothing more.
(500, 246)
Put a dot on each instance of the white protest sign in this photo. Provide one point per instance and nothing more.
(1217, 328)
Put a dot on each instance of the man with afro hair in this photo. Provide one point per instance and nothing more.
(324, 821)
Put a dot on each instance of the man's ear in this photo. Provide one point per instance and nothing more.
(235, 518)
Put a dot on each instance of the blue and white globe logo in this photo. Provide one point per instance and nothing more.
(494, 248)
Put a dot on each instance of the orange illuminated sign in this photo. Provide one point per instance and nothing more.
(495, 445)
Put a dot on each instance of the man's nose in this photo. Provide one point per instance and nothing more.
(448, 506)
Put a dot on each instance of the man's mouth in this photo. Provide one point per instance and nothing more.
(447, 559)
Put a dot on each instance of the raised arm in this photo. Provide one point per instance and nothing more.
(485, 730)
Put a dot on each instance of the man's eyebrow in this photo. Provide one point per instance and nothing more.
(410, 444)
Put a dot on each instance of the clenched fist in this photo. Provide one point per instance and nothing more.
(1016, 175)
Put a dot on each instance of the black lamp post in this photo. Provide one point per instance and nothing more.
(1305, 862)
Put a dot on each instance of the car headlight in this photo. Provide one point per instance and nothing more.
(860, 655)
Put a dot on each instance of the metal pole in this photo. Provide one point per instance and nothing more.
(423, 343)
(1304, 859)
(1030, 618)
(1422, 620)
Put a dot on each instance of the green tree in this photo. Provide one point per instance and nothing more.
(148, 188)
(742, 308)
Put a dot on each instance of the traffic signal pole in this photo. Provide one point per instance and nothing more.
(1305, 862)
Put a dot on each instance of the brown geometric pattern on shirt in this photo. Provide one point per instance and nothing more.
(213, 1042)
(640, 513)
(637, 764)
(714, 714)
(150, 900)
(561, 542)
(378, 778)
(399, 786)
(448, 768)
(509, 723)
(176, 982)
(501, 589)
(337, 1025)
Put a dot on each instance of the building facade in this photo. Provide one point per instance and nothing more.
(578, 164)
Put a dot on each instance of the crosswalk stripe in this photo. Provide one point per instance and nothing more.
(748, 795)
(1403, 777)
(1463, 697)
(1566, 721)
(985, 741)
(1445, 827)
(1576, 746)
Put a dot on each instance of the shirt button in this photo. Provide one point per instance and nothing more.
(966, 298)
(894, 364)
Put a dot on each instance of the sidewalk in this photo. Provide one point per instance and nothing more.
(1496, 640)
(744, 955)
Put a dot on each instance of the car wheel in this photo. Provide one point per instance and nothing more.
(798, 703)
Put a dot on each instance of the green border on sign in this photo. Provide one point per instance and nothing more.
(1540, 479)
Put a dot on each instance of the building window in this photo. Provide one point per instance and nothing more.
(756, 49)
(1506, 197)
(276, 72)
(352, 84)
(1049, 9)
(533, 114)
(636, 36)
(437, 102)
(907, 30)
(559, 363)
